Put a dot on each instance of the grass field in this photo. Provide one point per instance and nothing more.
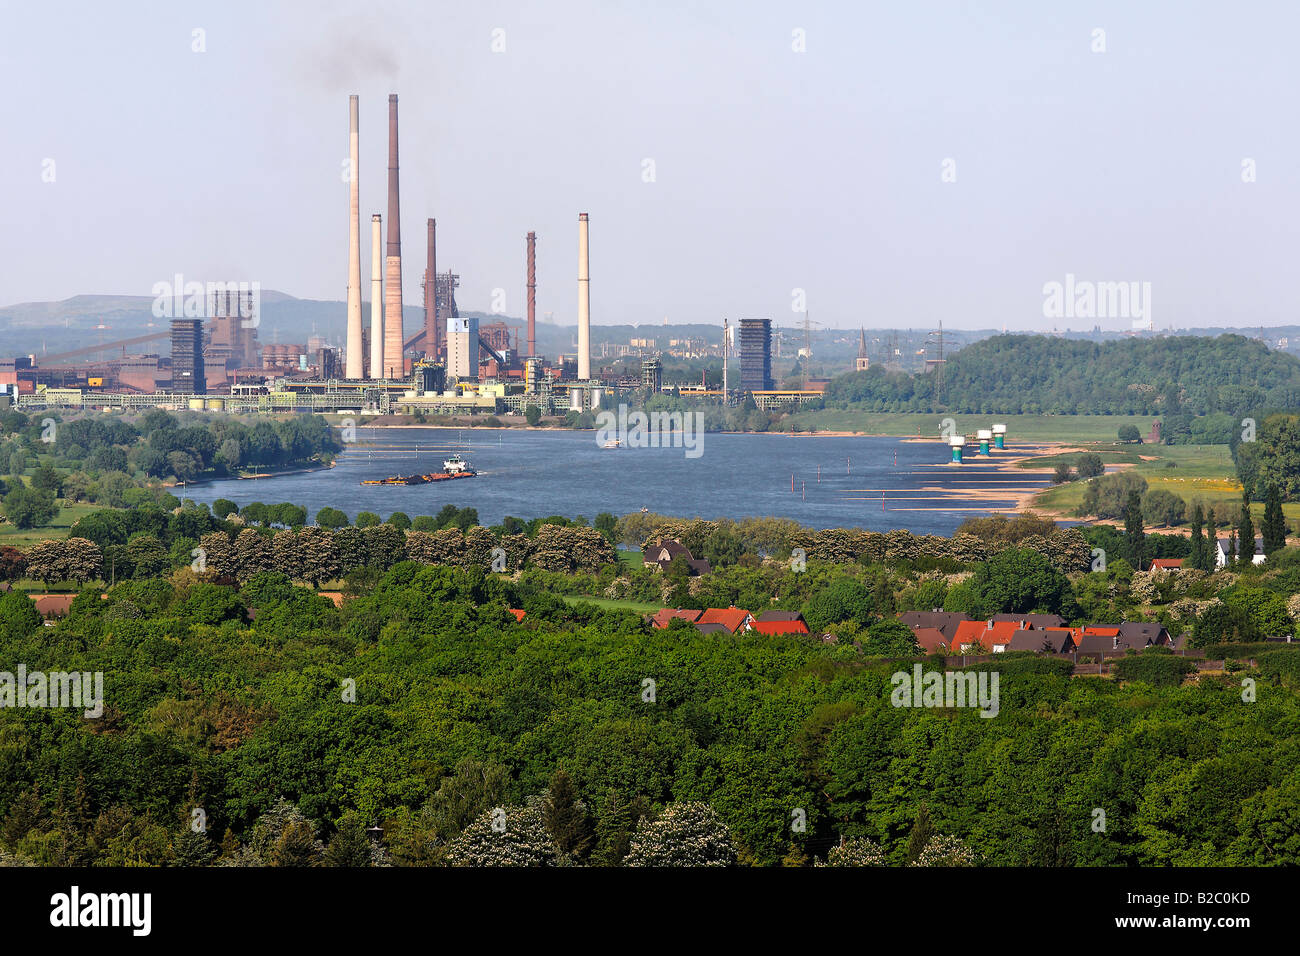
(1067, 428)
(67, 517)
(1203, 473)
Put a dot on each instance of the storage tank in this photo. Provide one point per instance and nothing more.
(985, 435)
(957, 443)
(196, 404)
(999, 436)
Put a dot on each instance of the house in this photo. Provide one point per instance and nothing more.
(711, 627)
(518, 612)
(734, 619)
(931, 639)
(661, 553)
(1050, 640)
(942, 621)
(663, 616)
(1144, 634)
(334, 596)
(990, 635)
(1031, 620)
(780, 622)
(1221, 552)
(1167, 564)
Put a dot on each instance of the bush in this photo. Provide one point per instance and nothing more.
(1158, 670)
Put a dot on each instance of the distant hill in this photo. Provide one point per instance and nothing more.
(1029, 374)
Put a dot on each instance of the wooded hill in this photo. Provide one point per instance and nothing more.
(1033, 374)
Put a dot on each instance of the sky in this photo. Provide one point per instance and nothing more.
(877, 164)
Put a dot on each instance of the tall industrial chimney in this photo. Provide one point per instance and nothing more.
(394, 334)
(431, 295)
(376, 298)
(355, 367)
(584, 303)
(532, 295)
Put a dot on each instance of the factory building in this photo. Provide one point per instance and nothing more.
(652, 375)
(187, 357)
(755, 355)
(462, 347)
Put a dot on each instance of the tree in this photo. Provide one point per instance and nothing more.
(1211, 540)
(686, 834)
(367, 519)
(1221, 624)
(618, 821)
(1129, 433)
(945, 851)
(1134, 535)
(12, 563)
(331, 518)
(1199, 557)
(856, 851)
(400, 520)
(921, 834)
(1274, 528)
(890, 638)
(532, 415)
(193, 848)
(1018, 581)
(843, 600)
(1062, 474)
(223, 508)
(1246, 531)
(504, 836)
(350, 846)
(565, 817)
(1090, 465)
(1163, 508)
(45, 478)
(18, 615)
(30, 507)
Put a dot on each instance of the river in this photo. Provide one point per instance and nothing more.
(844, 482)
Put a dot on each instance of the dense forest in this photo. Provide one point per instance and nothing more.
(1033, 374)
(404, 725)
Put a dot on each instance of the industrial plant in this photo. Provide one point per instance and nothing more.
(450, 364)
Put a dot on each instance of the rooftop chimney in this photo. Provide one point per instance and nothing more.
(584, 303)
(532, 294)
(394, 333)
(355, 359)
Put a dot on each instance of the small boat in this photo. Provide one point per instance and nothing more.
(612, 443)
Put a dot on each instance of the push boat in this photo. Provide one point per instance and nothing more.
(452, 468)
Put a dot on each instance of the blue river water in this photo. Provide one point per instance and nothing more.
(875, 483)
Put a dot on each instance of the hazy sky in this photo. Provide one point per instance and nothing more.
(774, 170)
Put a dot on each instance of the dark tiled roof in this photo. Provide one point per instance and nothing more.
(1033, 620)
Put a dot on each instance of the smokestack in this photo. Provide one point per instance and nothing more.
(376, 299)
(355, 368)
(394, 333)
(431, 295)
(532, 295)
(584, 303)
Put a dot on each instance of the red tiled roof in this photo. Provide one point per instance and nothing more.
(335, 596)
(1172, 564)
(931, 639)
(732, 618)
(518, 612)
(979, 632)
(665, 615)
(53, 605)
(780, 627)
